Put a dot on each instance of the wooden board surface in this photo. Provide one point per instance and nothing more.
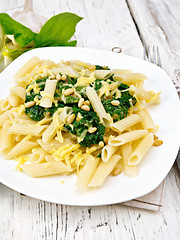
(107, 23)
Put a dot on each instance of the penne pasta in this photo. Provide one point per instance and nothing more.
(130, 78)
(6, 140)
(107, 152)
(20, 148)
(103, 74)
(129, 170)
(3, 117)
(49, 133)
(127, 137)
(141, 150)
(87, 172)
(48, 94)
(27, 67)
(68, 70)
(125, 123)
(103, 171)
(45, 169)
(25, 129)
(14, 100)
(5, 105)
(19, 91)
(38, 155)
(97, 106)
(146, 119)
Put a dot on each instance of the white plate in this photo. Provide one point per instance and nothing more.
(155, 165)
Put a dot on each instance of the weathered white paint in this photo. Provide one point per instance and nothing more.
(107, 23)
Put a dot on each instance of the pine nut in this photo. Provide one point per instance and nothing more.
(81, 102)
(157, 143)
(85, 108)
(92, 129)
(58, 77)
(71, 118)
(68, 91)
(91, 67)
(101, 144)
(29, 104)
(63, 77)
(87, 102)
(117, 171)
(155, 137)
(115, 103)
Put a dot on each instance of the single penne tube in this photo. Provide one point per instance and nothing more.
(6, 140)
(45, 169)
(68, 70)
(12, 115)
(42, 66)
(125, 123)
(5, 105)
(48, 94)
(49, 133)
(97, 106)
(25, 129)
(127, 137)
(14, 100)
(38, 155)
(142, 94)
(129, 170)
(26, 121)
(107, 152)
(19, 91)
(52, 145)
(103, 170)
(20, 148)
(80, 63)
(103, 74)
(27, 67)
(155, 98)
(141, 150)
(87, 172)
(121, 71)
(23, 81)
(3, 117)
(130, 78)
(146, 119)
(49, 146)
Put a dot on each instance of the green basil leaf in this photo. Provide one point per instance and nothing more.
(22, 34)
(58, 30)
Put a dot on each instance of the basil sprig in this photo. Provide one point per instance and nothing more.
(57, 31)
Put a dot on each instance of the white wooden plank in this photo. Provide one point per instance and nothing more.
(159, 24)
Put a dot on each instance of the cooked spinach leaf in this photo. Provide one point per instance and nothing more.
(89, 119)
(119, 112)
(98, 67)
(35, 112)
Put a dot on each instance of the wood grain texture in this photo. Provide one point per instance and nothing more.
(107, 23)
